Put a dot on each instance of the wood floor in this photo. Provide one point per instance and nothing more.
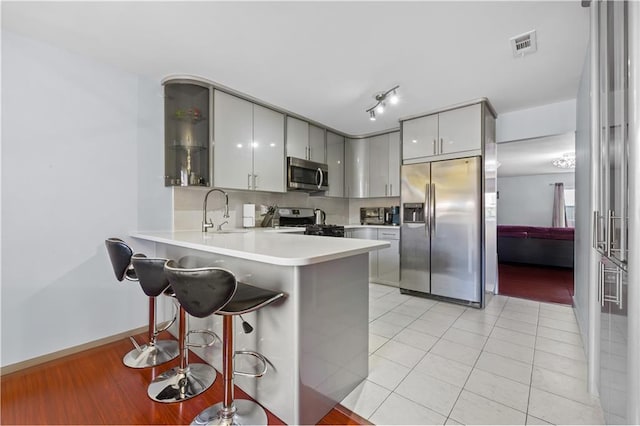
(94, 387)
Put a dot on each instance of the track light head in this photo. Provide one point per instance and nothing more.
(379, 107)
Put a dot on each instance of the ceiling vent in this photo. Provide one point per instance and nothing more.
(524, 44)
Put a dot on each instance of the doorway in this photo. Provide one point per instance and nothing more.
(536, 182)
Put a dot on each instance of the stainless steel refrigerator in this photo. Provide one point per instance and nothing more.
(441, 229)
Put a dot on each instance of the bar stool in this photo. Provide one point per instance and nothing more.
(203, 291)
(156, 351)
(188, 379)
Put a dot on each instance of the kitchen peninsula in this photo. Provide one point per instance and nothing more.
(317, 338)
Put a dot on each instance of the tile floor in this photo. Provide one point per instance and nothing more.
(515, 362)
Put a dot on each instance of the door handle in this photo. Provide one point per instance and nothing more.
(385, 189)
(433, 207)
(434, 147)
(321, 180)
(427, 206)
(255, 181)
(390, 189)
(249, 181)
(441, 145)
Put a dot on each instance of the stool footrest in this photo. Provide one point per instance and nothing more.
(210, 333)
(260, 357)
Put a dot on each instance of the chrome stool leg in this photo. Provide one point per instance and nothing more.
(231, 411)
(185, 381)
(155, 352)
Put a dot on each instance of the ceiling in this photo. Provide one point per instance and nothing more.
(534, 156)
(326, 60)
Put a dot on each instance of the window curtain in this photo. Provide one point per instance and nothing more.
(559, 219)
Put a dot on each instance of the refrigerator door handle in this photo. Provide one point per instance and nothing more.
(427, 205)
(432, 208)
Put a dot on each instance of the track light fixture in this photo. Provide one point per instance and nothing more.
(381, 98)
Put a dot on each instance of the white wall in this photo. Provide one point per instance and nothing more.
(74, 135)
(546, 120)
(528, 200)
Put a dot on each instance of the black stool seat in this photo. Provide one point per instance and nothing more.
(203, 291)
(156, 351)
(248, 298)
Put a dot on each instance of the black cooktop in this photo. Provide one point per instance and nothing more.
(325, 230)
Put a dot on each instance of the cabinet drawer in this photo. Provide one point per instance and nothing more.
(392, 234)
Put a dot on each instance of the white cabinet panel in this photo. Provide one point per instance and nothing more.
(379, 166)
(357, 168)
(268, 150)
(297, 138)
(316, 144)
(368, 234)
(419, 137)
(335, 161)
(460, 129)
(394, 164)
(232, 141)
(389, 258)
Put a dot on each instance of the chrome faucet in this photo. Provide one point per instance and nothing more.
(209, 224)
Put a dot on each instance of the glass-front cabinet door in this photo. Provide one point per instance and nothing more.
(187, 132)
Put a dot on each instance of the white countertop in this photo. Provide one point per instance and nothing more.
(268, 246)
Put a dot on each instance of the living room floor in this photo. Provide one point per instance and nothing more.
(516, 362)
(541, 283)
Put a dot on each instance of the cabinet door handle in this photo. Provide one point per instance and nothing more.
(390, 189)
(249, 181)
(434, 147)
(255, 181)
(385, 190)
(441, 145)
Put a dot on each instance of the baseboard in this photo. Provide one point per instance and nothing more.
(12, 368)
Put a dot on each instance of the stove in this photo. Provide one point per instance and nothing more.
(325, 230)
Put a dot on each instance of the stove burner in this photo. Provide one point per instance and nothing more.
(325, 230)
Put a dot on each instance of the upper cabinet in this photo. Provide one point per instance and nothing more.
(187, 133)
(373, 166)
(335, 162)
(249, 145)
(448, 132)
(356, 155)
(305, 140)
(384, 165)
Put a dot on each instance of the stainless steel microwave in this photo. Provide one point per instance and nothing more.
(305, 175)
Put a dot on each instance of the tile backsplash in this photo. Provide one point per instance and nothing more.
(187, 206)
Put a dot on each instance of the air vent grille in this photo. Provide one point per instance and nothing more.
(524, 44)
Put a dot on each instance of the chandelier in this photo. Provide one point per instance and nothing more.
(567, 161)
(381, 102)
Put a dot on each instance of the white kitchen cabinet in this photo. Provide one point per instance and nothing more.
(233, 133)
(356, 153)
(248, 145)
(268, 150)
(384, 165)
(419, 137)
(394, 164)
(297, 138)
(389, 258)
(317, 150)
(384, 264)
(305, 140)
(335, 162)
(460, 129)
(448, 132)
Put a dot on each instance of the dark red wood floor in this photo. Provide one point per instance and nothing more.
(94, 387)
(541, 283)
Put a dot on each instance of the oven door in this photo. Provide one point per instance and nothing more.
(304, 175)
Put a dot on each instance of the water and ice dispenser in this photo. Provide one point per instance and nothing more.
(413, 213)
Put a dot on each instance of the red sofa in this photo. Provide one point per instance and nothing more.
(536, 245)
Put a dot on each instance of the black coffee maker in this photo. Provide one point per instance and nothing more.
(395, 215)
